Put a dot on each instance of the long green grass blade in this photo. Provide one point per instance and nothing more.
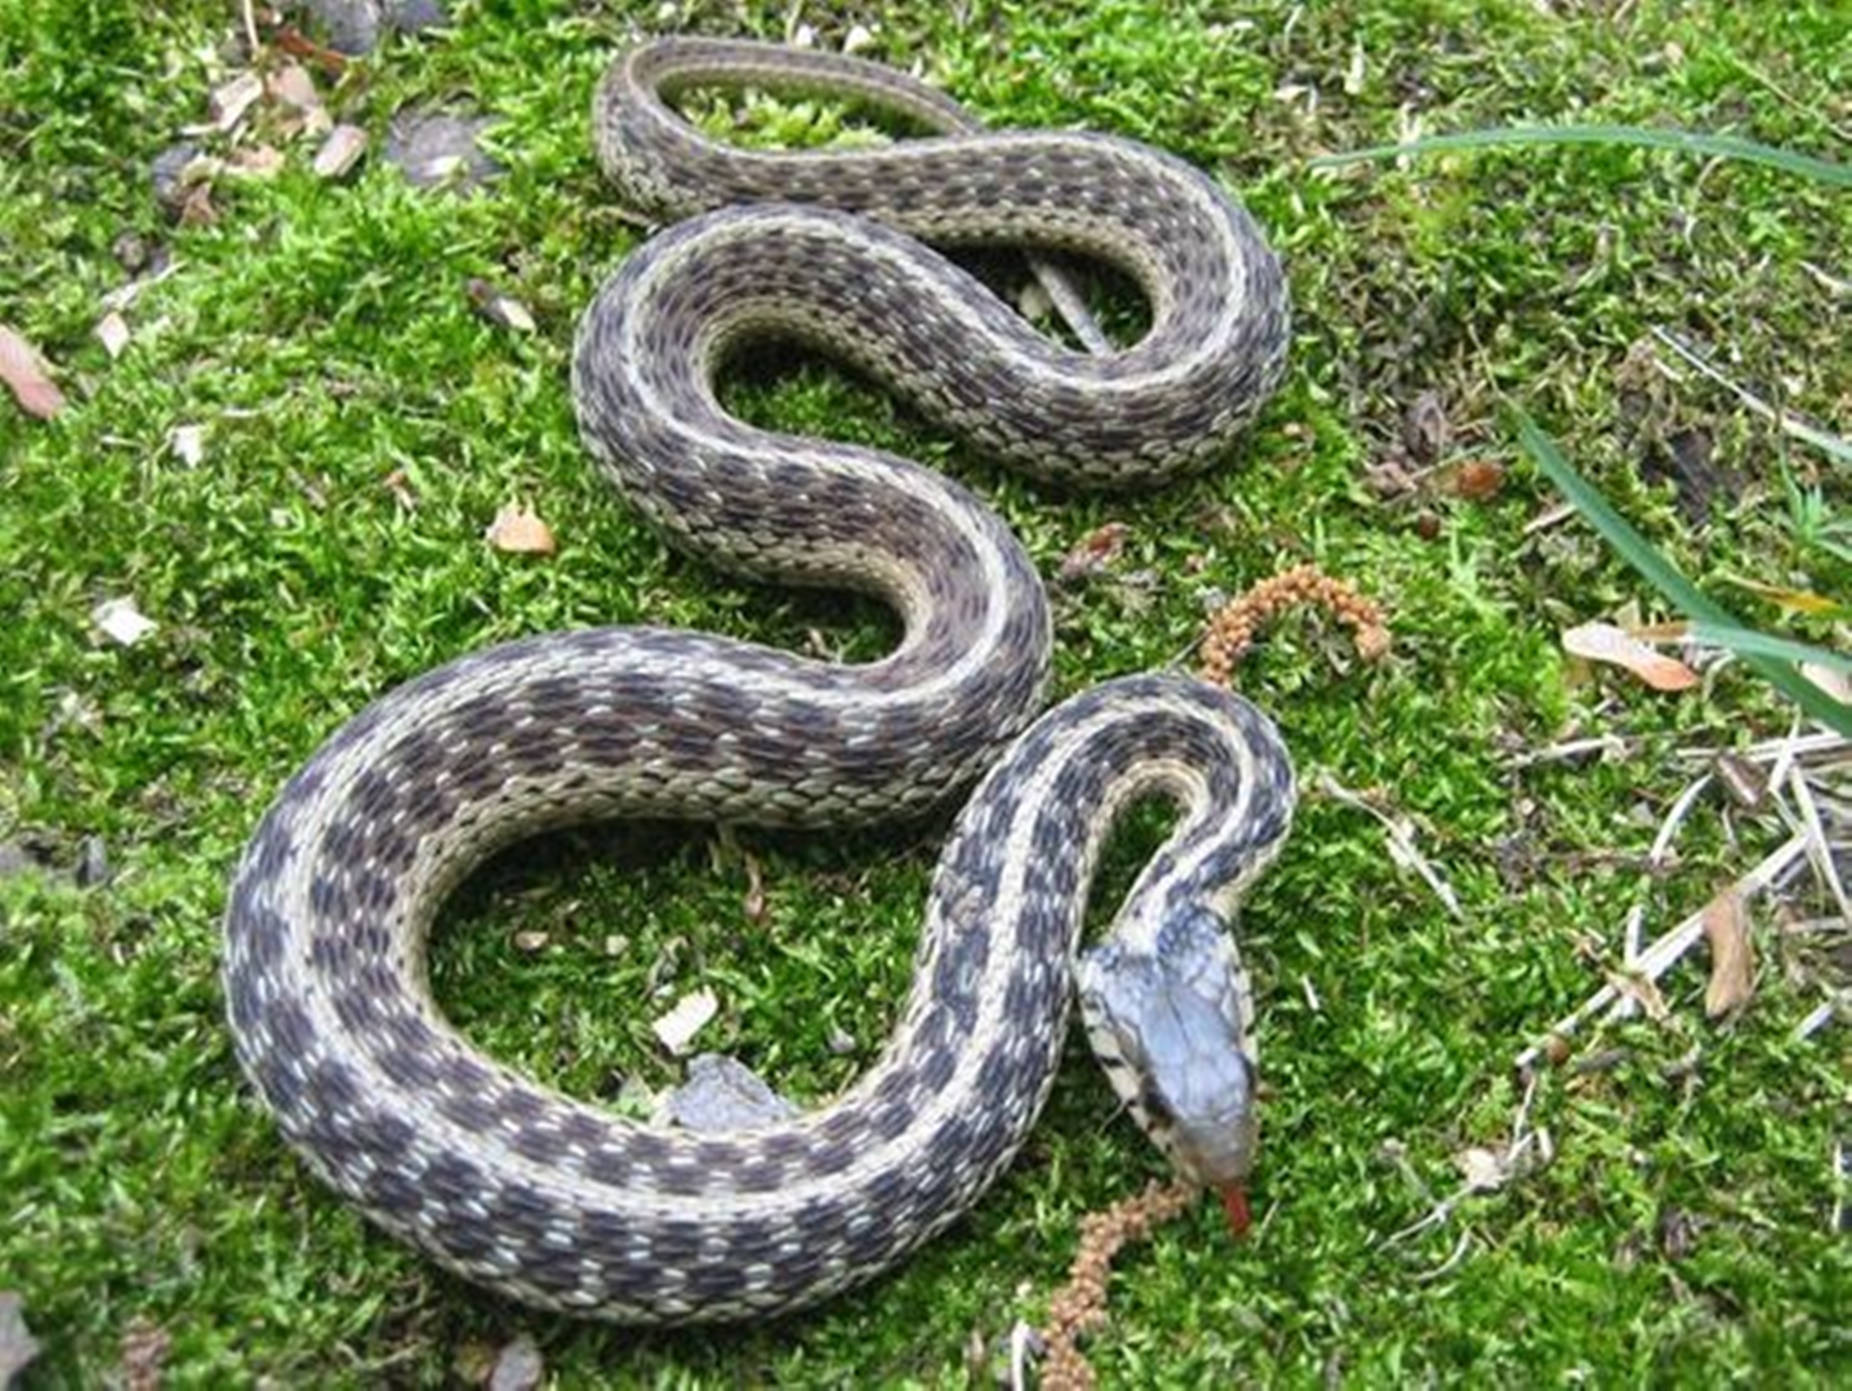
(1747, 641)
(1686, 141)
(1640, 553)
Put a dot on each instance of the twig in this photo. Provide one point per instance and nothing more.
(250, 28)
(1573, 748)
(1784, 420)
(1655, 860)
(1659, 957)
(1401, 845)
(1818, 850)
(1460, 1248)
(1817, 1019)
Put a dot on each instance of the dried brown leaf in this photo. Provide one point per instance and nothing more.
(1733, 959)
(519, 531)
(1476, 480)
(1095, 551)
(23, 370)
(1603, 642)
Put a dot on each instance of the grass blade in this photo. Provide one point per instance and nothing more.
(1685, 141)
(1640, 553)
(1747, 641)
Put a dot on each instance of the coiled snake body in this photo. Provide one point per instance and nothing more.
(563, 1205)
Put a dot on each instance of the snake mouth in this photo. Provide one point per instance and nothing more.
(1235, 1205)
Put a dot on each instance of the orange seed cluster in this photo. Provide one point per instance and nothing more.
(1231, 630)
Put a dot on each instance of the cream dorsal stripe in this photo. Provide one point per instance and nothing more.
(557, 1203)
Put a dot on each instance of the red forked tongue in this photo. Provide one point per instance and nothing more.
(1235, 1204)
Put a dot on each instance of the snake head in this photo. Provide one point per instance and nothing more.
(1165, 1021)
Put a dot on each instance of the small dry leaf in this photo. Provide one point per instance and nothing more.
(1733, 959)
(112, 331)
(858, 38)
(23, 371)
(1485, 1170)
(232, 99)
(122, 622)
(188, 443)
(293, 85)
(1477, 479)
(1097, 549)
(401, 489)
(1791, 600)
(340, 152)
(505, 311)
(1603, 642)
(690, 1013)
(520, 531)
(258, 162)
(1833, 680)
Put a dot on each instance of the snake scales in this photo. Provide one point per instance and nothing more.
(560, 1204)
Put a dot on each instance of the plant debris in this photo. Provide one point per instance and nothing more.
(1080, 1306)
(1231, 630)
(677, 1028)
(1733, 961)
(122, 622)
(144, 1353)
(1095, 551)
(24, 372)
(502, 310)
(519, 531)
(1604, 642)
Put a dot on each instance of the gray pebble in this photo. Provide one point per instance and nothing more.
(723, 1094)
(439, 147)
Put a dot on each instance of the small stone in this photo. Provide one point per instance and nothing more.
(616, 945)
(15, 860)
(841, 1042)
(439, 147)
(723, 1094)
(531, 942)
(130, 251)
(518, 1367)
(169, 173)
(92, 869)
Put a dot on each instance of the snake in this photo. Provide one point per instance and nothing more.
(565, 1205)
